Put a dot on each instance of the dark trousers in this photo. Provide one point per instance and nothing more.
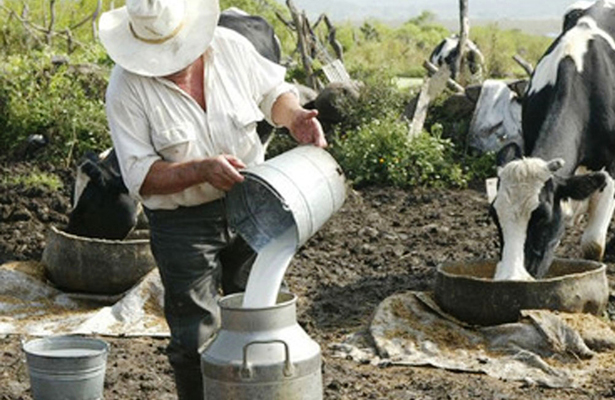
(199, 259)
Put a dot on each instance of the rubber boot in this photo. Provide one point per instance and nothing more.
(189, 383)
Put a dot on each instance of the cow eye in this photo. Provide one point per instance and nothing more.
(542, 214)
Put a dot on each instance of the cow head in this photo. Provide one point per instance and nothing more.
(528, 211)
(446, 53)
(102, 207)
(496, 120)
(574, 12)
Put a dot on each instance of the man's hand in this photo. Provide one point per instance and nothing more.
(301, 123)
(164, 177)
(305, 128)
(222, 172)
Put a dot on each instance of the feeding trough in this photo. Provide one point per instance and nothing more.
(467, 291)
(99, 266)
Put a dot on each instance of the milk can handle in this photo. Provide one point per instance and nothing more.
(246, 371)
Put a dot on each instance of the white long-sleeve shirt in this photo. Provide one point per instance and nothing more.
(153, 119)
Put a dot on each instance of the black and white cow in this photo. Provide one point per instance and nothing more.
(574, 12)
(102, 207)
(496, 120)
(568, 120)
(254, 28)
(446, 53)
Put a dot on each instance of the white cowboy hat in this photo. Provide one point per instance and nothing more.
(158, 37)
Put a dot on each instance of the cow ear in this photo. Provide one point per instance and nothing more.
(508, 153)
(519, 87)
(580, 187)
(92, 170)
(473, 92)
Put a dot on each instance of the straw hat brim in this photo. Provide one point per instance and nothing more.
(159, 59)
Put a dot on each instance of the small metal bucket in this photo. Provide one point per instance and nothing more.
(300, 188)
(66, 367)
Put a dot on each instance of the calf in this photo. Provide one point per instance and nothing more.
(102, 207)
(447, 51)
(568, 120)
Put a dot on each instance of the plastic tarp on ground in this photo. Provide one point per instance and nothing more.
(29, 305)
(546, 348)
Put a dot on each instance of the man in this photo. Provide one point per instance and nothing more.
(182, 103)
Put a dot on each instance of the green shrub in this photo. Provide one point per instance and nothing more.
(378, 96)
(58, 101)
(478, 167)
(499, 46)
(402, 50)
(379, 152)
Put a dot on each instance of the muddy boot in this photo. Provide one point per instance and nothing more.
(189, 383)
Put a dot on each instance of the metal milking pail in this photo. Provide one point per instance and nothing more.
(261, 354)
(301, 188)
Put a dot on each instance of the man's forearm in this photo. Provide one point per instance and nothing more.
(167, 178)
(283, 109)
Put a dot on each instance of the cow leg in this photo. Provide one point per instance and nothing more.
(575, 210)
(600, 211)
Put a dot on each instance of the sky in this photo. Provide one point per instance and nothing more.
(401, 10)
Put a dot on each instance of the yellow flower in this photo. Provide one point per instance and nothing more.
(381, 160)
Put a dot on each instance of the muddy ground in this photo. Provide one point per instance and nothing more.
(381, 242)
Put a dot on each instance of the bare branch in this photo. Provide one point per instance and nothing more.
(320, 18)
(335, 44)
(48, 33)
(89, 17)
(52, 20)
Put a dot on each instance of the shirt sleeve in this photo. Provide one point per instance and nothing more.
(130, 132)
(268, 83)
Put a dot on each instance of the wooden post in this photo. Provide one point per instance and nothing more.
(450, 83)
(464, 32)
(432, 87)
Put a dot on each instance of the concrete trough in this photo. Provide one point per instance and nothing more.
(467, 291)
(97, 266)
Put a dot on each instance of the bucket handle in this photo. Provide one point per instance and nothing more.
(246, 371)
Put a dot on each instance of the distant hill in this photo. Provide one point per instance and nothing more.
(539, 17)
(545, 27)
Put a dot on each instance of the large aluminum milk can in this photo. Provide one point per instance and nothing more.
(298, 190)
(261, 354)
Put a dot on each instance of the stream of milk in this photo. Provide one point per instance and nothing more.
(268, 270)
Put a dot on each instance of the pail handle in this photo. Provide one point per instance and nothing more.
(246, 371)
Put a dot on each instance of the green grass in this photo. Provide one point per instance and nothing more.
(33, 179)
